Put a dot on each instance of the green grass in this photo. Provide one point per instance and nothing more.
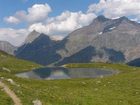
(120, 89)
(120, 67)
(10, 64)
(4, 99)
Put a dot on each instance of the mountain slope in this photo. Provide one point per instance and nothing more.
(7, 47)
(11, 64)
(113, 40)
(91, 54)
(38, 48)
(118, 34)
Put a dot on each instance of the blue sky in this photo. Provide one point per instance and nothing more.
(58, 18)
(9, 7)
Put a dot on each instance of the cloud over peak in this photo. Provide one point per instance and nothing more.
(117, 8)
(64, 23)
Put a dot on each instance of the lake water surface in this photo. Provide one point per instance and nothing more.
(66, 73)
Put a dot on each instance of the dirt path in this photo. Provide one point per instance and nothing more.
(10, 93)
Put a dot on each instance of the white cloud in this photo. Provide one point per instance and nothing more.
(117, 8)
(64, 23)
(57, 27)
(36, 13)
(57, 37)
(12, 20)
(14, 36)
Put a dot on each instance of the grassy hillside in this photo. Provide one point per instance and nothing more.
(11, 64)
(121, 67)
(120, 89)
(8, 66)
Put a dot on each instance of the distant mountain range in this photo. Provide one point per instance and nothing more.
(117, 35)
(7, 47)
(104, 40)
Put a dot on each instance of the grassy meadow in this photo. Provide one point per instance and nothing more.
(118, 89)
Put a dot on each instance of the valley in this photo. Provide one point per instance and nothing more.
(105, 46)
(119, 89)
(70, 52)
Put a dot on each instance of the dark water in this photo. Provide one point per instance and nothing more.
(63, 73)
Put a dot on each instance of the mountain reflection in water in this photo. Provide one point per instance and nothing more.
(66, 73)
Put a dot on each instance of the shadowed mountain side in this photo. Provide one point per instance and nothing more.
(46, 72)
(118, 34)
(82, 56)
(104, 40)
(135, 62)
(115, 56)
(39, 50)
(90, 54)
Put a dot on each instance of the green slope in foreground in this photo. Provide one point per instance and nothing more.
(13, 65)
(4, 99)
(8, 66)
(120, 89)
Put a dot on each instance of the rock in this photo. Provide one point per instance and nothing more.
(37, 102)
(6, 69)
(11, 81)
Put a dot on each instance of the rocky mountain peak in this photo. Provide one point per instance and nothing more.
(32, 36)
(123, 18)
(100, 19)
(110, 40)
